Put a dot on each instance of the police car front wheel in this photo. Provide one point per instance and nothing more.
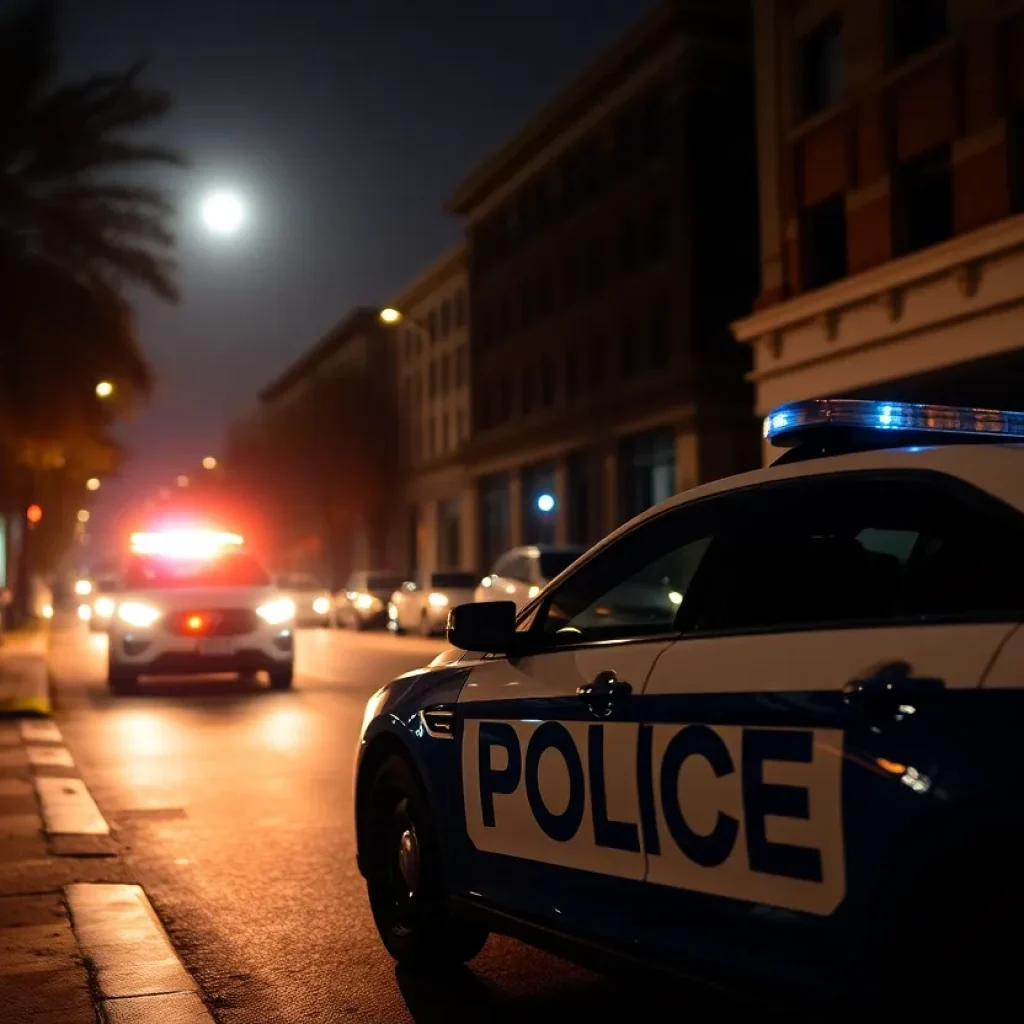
(404, 877)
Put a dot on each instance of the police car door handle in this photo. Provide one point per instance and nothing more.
(603, 692)
(891, 689)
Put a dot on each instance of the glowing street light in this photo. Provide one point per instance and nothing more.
(92, 484)
(223, 213)
(390, 315)
(209, 462)
(546, 502)
(183, 480)
(84, 515)
(104, 389)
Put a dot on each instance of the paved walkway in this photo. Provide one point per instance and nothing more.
(24, 682)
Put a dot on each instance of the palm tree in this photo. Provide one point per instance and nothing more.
(78, 225)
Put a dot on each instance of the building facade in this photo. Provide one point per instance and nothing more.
(610, 243)
(432, 381)
(891, 163)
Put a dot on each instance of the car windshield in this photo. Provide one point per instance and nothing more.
(231, 570)
(554, 562)
(453, 580)
(382, 582)
(298, 581)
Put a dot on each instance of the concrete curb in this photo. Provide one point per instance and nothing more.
(25, 675)
(136, 973)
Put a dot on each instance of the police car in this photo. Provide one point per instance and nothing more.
(801, 772)
(194, 601)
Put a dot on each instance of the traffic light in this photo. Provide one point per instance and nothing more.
(34, 513)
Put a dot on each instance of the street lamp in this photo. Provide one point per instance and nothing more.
(92, 484)
(84, 515)
(104, 389)
(209, 462)
(390, 315)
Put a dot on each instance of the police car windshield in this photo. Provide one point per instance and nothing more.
(554, 562)
(229, 570)
(453, 580)
(298, 581)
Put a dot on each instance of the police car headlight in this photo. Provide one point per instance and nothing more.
(321, 606)
(137, 614)
(104, 607)
(367, 601)
(84, 612)
(437, 600)
(392, 612)
(281, 609)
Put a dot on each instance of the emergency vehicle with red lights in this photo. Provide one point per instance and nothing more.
(195, 601)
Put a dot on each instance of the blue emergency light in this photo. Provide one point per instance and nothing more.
(831, 425)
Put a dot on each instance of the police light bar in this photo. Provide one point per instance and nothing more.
(789, 425)
(184, 544)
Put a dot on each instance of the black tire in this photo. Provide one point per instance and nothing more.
(404, 875)
(281, 678)
(121, 680)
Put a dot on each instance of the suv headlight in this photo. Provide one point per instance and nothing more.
(281, 609)
(137, 614)
(437, 600)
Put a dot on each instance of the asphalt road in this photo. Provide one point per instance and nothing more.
(232, 807)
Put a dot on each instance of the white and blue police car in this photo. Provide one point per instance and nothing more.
(767, 733)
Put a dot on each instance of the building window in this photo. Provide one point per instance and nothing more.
(657, 231)
(596, 356)
(445, 439)
(432, 325)
(463, 433)
(628, 141)
(446, 366)
(417, 390)
(446, 318)
(571, 278)
(572, 370)
(547, 382)
(538, 524)
(505, 319)
(460, 308)
(821, 68)
(655, 121)
(661, 335)
(582, 476)
(495, 520)
(595, 266)
(923, 200)
(432, 438)
(914, 26)
(627, 246)
(647, 471)
(542, 293)
(505, 400)
(823, 242)
(527, 393)
(449, 554)
(461, 365)
(627, 349)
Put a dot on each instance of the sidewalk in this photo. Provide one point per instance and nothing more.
(24, 680)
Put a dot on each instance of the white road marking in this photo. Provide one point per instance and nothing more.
(68, 807)
(49, 757)
(40, 732)
(137, 972)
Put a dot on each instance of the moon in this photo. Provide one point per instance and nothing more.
(223, 213)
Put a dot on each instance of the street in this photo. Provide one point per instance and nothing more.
(231, 807)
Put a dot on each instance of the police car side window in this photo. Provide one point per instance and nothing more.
(637, 587)
(870, 549)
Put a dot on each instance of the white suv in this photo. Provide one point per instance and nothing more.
(181, 616)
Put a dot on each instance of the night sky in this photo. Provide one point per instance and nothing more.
(346, 126)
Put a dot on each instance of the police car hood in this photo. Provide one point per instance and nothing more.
(184, 599)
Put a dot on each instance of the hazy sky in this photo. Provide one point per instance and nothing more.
(346, 125)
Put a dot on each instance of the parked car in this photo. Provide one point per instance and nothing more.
(100, 611)
(520, 574)
(363, 604)
(314, 605)
(422, 604)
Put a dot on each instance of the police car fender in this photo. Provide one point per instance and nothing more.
(749, 813)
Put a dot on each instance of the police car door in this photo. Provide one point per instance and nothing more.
(550, 740)
(806, 726)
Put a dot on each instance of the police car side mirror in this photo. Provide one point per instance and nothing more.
(489, 626)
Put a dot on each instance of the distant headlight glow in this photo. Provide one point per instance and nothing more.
(83, 587)
(322, 605)
(137, 614)
(47, 611)
(84, 612)
(104, 607)
(367, 601)
(437, 600)
(281, 609)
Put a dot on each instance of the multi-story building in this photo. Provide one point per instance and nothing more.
(432, 367)
(891, 161)
(611, 241)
